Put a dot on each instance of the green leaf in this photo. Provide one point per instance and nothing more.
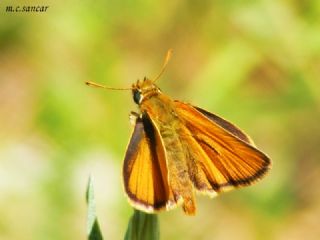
(143, 226)
(93, 229)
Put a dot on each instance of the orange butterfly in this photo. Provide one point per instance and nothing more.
(177, 149)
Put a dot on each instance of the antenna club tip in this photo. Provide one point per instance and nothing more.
(169, 53)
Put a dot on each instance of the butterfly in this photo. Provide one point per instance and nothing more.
(177, 150)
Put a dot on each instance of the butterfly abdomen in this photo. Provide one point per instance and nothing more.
(178, 173)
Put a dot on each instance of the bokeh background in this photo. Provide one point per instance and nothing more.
(256, 63)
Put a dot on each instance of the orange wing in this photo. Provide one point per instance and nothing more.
(145, 171)
(222, 155)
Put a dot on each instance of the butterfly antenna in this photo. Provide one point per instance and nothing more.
(93, 84)
(166, 60)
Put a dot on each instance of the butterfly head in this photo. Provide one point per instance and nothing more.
(142, 90)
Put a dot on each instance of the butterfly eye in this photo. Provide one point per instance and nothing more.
(136, 96)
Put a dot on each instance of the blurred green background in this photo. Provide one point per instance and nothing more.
(256, 63)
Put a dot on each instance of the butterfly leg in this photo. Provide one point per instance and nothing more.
(133, 116)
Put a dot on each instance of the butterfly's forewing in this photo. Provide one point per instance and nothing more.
(226, 125)
(222, 152)
(145, 171)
